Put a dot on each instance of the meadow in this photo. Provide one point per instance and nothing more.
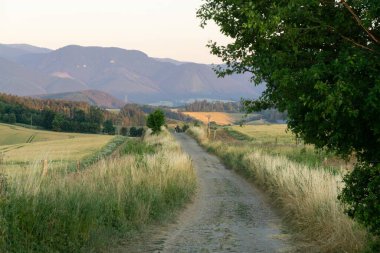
(145, 182)
(297, 180)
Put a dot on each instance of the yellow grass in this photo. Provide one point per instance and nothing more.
(69, 149)
(11, 134)
(220, 118)
(57, 148)
(267, 133)
(83, 210)
(307, 195)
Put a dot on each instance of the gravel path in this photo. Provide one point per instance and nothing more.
(228, 215)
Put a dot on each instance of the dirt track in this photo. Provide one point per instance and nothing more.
(228, 215)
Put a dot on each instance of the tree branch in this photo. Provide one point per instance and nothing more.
(358, 20)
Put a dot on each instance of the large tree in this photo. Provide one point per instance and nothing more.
(320, 60)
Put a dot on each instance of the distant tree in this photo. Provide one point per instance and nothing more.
(155, 121)
(136, 132)
(58, 122)
(124, 131)
(48, 117)
(12, 118)
(133, 132)
(108, 127)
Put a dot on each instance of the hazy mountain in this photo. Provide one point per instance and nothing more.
(92, 97)
(14, 51)
(19, 80)
(126, 74)
(16, 79)
(175, 62)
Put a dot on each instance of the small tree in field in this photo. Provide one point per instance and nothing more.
(155, 121)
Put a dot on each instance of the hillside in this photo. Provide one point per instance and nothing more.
(126, 74)
(92, 97)
(14, 51)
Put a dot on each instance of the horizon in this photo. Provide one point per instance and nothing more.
(128, 49)
(159, 28)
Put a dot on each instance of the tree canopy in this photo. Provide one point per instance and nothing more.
(320, 60)
(155, 121)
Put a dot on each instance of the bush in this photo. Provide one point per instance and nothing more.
(361, 195)
(155, 121)
(136, 132)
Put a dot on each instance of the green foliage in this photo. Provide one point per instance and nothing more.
(362, 195)
(321, 64)
(103, 153)
(58, 122)
(155, 121)
(136, 132)
(108, 127)
(51, 115)
(137, 147)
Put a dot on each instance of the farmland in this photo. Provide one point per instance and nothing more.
(219, 118)
(21, 146)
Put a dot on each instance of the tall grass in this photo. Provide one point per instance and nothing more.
(80, 211)
(306, 195)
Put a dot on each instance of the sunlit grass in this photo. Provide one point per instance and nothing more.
(305, 192)
(76, 212)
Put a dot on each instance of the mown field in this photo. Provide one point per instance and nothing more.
(20, 147)
(143, 182)
(302, 182)
(219, 118)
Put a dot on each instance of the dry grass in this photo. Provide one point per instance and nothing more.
(267, 133)
(79, 211)
(306, 195)
(219, 118)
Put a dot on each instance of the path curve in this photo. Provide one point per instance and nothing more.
(228, 215)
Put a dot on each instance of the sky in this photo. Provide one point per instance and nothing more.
(160, 28)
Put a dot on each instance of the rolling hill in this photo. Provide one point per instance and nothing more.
(92, 97)
(125, 74)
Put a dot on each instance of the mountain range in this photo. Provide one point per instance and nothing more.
(128, 75)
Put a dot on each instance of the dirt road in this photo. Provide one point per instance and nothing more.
(228, 215)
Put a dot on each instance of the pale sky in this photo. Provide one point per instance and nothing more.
(160, 28)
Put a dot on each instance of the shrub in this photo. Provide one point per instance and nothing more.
(155, 121)
(362, 195)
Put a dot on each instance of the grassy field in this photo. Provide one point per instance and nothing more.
(80, 212)
(296, 180)
(58, 148)
(267, 133)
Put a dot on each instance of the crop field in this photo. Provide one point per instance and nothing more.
(11, 134)
(219, 118)
(57, 148)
